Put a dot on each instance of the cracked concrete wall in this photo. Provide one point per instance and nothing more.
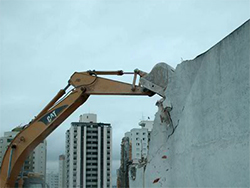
(210, 99)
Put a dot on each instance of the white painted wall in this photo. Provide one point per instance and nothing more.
(210, 96)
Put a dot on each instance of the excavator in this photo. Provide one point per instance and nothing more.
(82, 84)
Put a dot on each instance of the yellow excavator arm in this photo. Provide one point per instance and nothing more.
(63, 104)
(59, 108)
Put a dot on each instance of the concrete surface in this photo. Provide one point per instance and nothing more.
(210, 99)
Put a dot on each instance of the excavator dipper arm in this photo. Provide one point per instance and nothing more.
(61, 106)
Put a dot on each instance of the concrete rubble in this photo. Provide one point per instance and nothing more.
(122, 176)
(200, 136)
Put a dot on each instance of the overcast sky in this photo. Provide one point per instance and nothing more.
(44, 42)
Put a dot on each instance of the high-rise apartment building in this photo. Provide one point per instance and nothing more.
(139, 139)
(88, 153)
(35, 162)
(62, 172)
(52, 180)
(134, 150)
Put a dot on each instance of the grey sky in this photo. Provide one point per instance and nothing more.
(44, 42)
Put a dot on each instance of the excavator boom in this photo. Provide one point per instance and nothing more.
(63, 104)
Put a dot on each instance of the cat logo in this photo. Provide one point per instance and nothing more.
(49, 117)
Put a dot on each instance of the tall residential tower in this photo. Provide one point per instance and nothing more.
(139, 139)
(88, 153)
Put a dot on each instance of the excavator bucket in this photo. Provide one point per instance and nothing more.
(158, 79)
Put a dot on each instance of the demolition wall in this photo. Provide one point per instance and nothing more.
(200, 136)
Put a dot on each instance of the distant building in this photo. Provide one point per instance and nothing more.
(134, 149)
(88, 153)
(139, 139)
(62, 172)
(147, 124)
(52, 180)
(35, 162)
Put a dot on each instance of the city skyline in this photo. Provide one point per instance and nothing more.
(144, 123)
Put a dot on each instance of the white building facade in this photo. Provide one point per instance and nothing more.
(139, 139)
(88, 153)
(62, 171)
(35, 162)
(52, 180)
